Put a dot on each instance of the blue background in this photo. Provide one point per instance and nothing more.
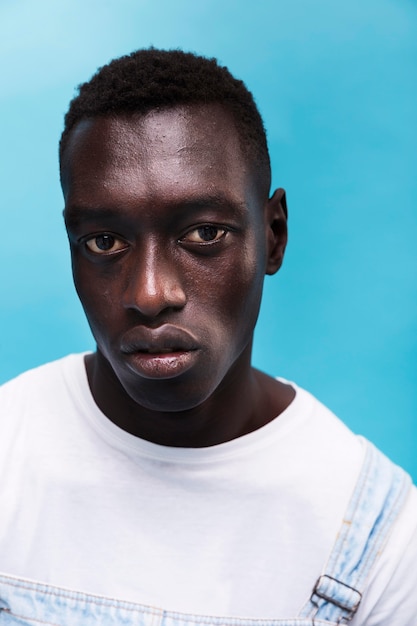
(336, 83)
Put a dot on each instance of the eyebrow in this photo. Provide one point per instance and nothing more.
(74, 214)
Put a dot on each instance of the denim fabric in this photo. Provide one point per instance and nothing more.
(23, 603)
(378, 497)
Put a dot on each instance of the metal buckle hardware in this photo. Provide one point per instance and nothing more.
(323, 588)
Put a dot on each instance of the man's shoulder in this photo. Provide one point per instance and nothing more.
(39, 380)
(316, 420)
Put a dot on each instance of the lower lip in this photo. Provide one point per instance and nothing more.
(162, 365)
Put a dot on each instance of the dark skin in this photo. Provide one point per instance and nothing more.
(171, 235)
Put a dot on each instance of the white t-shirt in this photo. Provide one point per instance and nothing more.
(242, 529)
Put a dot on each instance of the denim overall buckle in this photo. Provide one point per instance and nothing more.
(337, 593)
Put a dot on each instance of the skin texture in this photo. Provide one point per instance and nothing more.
(171, 236)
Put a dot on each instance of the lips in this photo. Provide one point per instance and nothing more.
(163, 352)
(165, 338)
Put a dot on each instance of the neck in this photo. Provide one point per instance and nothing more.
(245, 401)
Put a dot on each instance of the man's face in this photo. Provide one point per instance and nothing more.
(169, 244)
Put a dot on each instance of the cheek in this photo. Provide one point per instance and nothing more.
(96, 293)
(230, 290)
(244, 288)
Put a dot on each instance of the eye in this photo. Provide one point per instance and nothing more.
(105, 244)
(208, 233)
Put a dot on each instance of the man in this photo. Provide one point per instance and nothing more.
(162, 479)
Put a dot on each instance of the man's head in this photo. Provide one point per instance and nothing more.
(153, 79)
(171, 232)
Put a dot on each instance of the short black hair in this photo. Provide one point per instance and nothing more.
(153, 79)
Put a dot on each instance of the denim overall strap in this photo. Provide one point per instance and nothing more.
(379, 495)
(28, 603)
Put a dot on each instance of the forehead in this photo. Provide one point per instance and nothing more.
(168, 149)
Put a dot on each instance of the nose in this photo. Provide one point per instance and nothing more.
(154, 283)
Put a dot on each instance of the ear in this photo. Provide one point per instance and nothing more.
(276, 230)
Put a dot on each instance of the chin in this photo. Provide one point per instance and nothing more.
(168, 395)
